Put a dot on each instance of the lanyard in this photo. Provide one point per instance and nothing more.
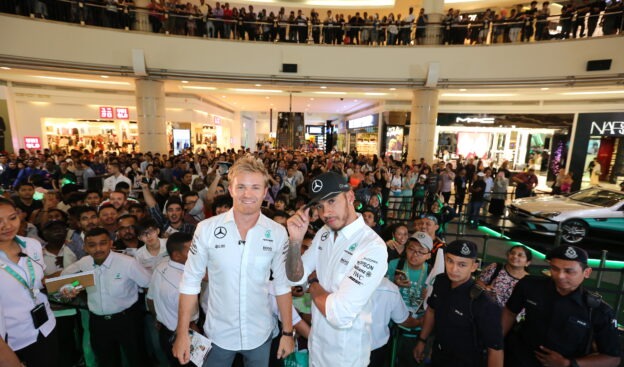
(16, 276)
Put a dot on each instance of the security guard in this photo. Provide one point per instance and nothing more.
(565, 324)
(463, 318)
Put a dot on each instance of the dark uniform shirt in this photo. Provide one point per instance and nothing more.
(464, 327)
(560, 323)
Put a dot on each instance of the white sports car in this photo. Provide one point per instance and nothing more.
(587, 211)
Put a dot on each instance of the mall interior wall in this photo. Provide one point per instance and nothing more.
(113, 48)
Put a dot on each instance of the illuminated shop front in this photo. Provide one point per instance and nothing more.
(362, 134)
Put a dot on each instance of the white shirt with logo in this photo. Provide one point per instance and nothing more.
(16, 300)
(239, 315)
(117, 282)
(350, 267)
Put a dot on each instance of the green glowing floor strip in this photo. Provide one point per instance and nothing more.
(610, 264)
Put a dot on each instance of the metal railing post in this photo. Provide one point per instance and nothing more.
(618, 302)
(603, 263)
(558, 235)
(485, 245)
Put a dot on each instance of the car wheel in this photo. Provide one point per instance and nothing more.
(573, 231)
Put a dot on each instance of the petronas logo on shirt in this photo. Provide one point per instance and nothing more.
(267, 234)
(118, 276)
(352, 247)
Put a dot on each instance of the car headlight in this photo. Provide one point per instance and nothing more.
(550, 214)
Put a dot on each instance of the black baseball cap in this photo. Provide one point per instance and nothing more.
(570, 253)
(327, 185)
(462, 248)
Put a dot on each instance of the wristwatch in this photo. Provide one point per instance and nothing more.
(573, 363)
(422, 340)
(313, 280)
(288, 333)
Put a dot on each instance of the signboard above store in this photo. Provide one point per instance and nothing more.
(118, 113)
(32, 142)
(607, 128)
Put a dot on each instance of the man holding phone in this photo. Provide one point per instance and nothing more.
(344, 265)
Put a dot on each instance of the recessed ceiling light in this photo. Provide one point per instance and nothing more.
(311, 99)
(76, 80)
(463, 90)
(104, 76)
(267, 97)
(258, 85)
(223, 97)
(375, 94)
(478, 95)
(392, 88)
(185, 82)
(246, 90)
(332, 93)
(593, 93)
(323, 87)
(196, 87)
(5, 68)
(355, 100)
(544, 88)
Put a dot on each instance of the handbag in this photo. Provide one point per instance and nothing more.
(297, 359)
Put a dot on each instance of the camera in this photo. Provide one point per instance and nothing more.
(145, 180)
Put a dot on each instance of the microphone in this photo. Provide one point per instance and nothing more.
(21, 254)
(241, 242)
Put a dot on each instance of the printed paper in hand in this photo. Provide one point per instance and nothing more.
(200, 346)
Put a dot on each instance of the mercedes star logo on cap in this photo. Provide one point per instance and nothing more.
(220, 232)
(317, 185)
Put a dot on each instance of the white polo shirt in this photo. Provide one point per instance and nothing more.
(117, 282)
(387, 305)
(16, 300)
(239, 313)
(147, 260)
(350, 267)
(112, 181)
(164, 291)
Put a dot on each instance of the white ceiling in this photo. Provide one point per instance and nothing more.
(324, 102)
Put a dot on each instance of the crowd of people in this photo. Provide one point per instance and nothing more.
(295, 244)
(518, 24)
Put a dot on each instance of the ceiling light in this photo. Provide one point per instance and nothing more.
(5, 68)
(104, 76)
(592, 93)
(311, 99)
(185, 82)
(544, 88)
(332, 93)
(267, 97)
(75, 80)
(323, 87)
(258, 85)
(374, 94)
(196, 87)
(392, 88)
(245, 90)
(478, 95)
(463, 90)
(223, 97)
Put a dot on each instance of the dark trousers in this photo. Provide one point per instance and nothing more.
(379, 356)
(42, 353)
(164, 337)
(121, 331)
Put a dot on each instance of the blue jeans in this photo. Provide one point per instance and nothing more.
(258, 357)
(473, 211)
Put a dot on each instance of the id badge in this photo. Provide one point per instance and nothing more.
(39, 315)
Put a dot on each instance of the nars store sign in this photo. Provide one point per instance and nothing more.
(607, 128)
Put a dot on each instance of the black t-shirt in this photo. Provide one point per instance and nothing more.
(477, 195)
(560, 323)
(28, 209)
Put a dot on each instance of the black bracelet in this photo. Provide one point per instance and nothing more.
(573, 363)
(313, 280)
(422, 340)
(288, 333)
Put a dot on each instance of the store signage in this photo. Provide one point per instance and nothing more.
(315, 130)
(475, 120)
(121, 113)
(32, 143)
(366, 121)
(118, 113)
(607, 128)
(217, 120)
(106, 112)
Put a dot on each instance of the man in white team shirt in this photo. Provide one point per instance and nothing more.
(344, 265)
(239, 248)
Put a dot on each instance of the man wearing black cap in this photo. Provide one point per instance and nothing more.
(564, 325)
(465, 321)
(344, 265)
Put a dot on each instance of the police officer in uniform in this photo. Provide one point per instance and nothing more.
(565, 325)
(463, 318)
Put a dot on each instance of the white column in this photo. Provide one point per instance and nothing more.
(7, 112)
(150, 106)
(421, 138)
(142, 16)
(435, 13)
